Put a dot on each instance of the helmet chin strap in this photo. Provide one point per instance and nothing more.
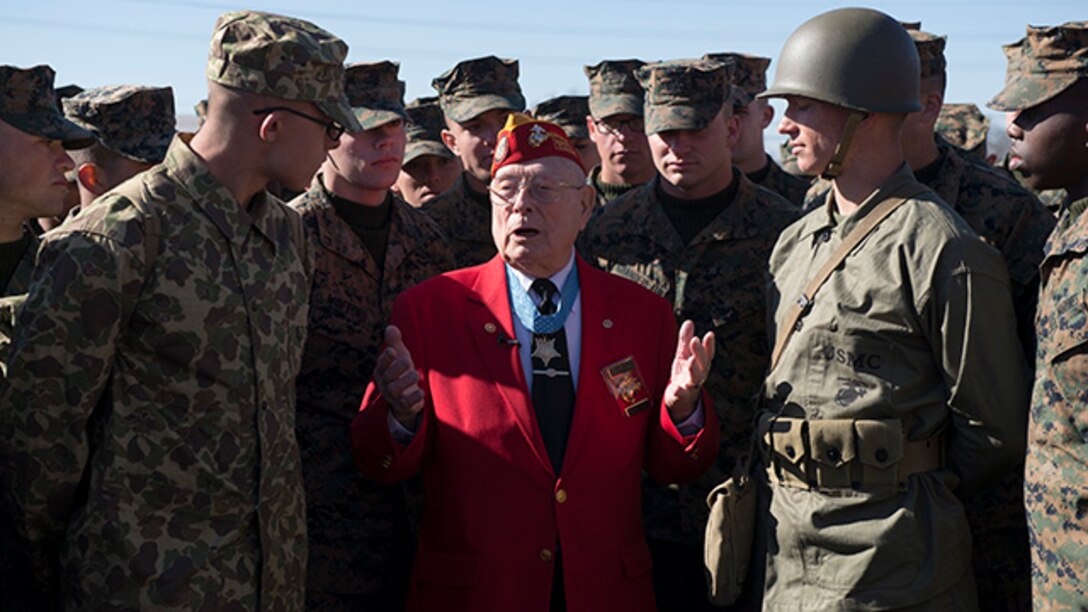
(834, 167)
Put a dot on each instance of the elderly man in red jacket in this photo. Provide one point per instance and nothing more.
(531, 391)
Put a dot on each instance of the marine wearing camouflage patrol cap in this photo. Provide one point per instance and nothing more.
(963, 125)
(749, 74)
(476, 86)
(282, 57)
(375, 93)
(28, 103)
(568, 112)
(930, 52)
(684, 94)
(424, 130)
(1045, 63)
(136, 122)
(613, 88)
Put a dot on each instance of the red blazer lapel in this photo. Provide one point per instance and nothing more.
(489, 323)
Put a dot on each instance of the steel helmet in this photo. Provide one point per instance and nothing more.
(856, 58)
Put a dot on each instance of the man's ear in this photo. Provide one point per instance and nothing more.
(450, 141)
(591, 128)
(92, 178)
(732, 125)
(588, 202)
(768, 114)
(270, 128)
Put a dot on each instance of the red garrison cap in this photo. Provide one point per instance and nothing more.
(524, 139)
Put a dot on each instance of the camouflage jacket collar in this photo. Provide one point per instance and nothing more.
(233, 219)
(949, 174)
(476, 217)
(334, 233)
(1071, 234)
(739, 220)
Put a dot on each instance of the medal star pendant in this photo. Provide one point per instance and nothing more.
(544, 350)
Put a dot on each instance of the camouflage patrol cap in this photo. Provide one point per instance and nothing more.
(930, 52)
(963, 125)
(749, 74)
(424, 130)
(282, 57)
(568, 112)
(375, 94)
(28, 103)
(1045, 63)
(133, 121)
(683, 94)
(66, 92)
(476, 86)
(613, 88)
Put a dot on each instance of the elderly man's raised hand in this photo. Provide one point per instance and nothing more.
(690, 368)
(398, 380)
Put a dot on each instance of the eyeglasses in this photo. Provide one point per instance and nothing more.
(612, 127)
(541, 193)
(333, 129)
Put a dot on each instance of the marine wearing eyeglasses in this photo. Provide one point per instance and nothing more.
(615, 126)
(183, 332)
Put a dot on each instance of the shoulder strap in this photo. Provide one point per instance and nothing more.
(803, 303)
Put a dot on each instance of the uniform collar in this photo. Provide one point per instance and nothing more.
(233, 219)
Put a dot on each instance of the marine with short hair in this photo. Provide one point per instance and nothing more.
(430, 168)
(750, 76)
(369, 246)
(476, 96)
(133, 126)
(34, 140)
(897, 386)
(615, 125)
(699, 235)
(1046, 101)
(149, 429)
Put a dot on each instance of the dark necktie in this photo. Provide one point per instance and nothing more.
(553, 387)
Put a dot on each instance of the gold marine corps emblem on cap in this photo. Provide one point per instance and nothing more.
(537, 136)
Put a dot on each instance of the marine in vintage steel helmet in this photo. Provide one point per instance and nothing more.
(856, 58)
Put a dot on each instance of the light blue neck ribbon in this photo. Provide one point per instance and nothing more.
(527, 312)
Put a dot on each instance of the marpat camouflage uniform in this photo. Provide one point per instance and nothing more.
(465, 219)
(717, 280)
(1042, 65)
(151, 435)
(359, 531)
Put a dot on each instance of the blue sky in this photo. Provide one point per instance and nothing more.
(164, 42)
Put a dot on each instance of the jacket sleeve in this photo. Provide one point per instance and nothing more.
(973, 335)
(377, 455)
(670, 456)
(59, 365)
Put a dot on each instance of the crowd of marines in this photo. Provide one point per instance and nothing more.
(183, 353)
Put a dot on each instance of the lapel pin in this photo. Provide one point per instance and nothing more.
(607, 323)
(490, 328)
